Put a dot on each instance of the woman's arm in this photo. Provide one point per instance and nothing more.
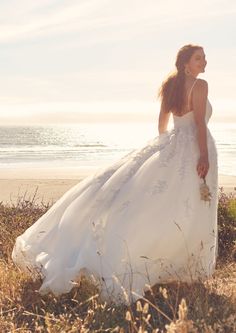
(199, 98)
(163, 119)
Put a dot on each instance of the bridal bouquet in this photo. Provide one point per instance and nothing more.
(205, 191)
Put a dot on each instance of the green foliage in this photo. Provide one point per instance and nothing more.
(178, 307)
(226, 225)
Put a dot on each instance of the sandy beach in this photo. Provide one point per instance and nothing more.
(48, 185)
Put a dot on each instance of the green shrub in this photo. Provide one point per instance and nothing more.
(226, 224)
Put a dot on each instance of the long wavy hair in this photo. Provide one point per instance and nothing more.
(172, 91)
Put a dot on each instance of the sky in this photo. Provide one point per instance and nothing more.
(104, 60)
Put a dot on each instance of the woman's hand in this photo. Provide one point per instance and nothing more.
(202, 166)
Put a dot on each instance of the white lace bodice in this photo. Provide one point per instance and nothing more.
(188, 118)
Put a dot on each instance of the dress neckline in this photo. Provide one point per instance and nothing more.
(207, 101)
(183, 115)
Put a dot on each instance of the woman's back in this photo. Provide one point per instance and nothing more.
(188, 106)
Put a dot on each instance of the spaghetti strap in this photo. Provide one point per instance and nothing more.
(190, 93)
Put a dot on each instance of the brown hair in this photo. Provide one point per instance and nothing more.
(172, 89)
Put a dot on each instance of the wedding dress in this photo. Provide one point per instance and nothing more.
(135, 223)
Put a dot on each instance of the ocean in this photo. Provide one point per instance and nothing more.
(94, 144)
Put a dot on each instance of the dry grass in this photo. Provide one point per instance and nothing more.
(177, 307)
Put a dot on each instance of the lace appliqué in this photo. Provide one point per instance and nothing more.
(158, 187)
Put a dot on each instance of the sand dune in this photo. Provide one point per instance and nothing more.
(48, 185)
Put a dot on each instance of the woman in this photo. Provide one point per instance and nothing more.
(141, 220)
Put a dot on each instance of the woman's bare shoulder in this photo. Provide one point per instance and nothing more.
(200, 83)
(201, 86)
